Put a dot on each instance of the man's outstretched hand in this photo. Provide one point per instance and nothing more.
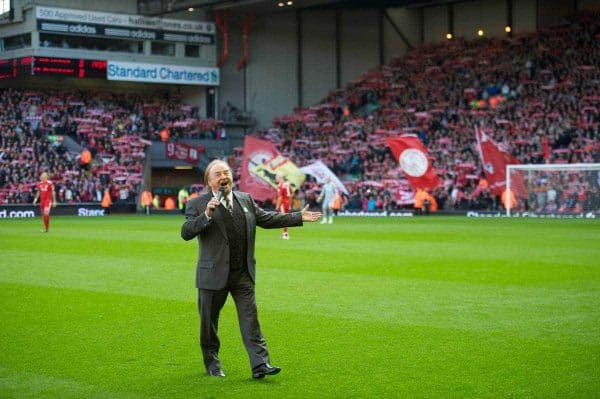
(308, 216)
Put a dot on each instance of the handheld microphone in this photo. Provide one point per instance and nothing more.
(218, 197)
(220, 193)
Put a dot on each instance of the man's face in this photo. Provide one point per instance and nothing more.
(220, 176)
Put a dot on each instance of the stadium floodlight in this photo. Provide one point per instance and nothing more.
(555, 189)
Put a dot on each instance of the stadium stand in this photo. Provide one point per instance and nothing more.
(535, 94)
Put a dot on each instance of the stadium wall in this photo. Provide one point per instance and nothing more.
(318, 43)
(588, 5)
(524, 16)
(196, 96)
(359, 47)
(270, 86)
(550, 12)
(471, 16)
(183, 178)
(408, 21)
(435, 24)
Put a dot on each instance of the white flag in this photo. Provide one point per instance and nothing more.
(321, 172)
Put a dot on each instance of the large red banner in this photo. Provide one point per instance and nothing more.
(412, 156)
(494, 160)
(256, 151)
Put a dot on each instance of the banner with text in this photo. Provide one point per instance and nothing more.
(126, 20)
(183, 152)
(20, 211)
(156, 73)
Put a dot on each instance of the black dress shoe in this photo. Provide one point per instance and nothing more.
(264, 369)
(216, 373)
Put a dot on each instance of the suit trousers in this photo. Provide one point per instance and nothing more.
(210, 303)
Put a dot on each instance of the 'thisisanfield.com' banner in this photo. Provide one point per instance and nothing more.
(31, 211)
(60, 15)
(533, 215)
(156, 73)
(376, 214)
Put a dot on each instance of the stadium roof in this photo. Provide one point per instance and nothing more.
(157, 7)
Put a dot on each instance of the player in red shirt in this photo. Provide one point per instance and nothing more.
(284, 200)
(47, 197)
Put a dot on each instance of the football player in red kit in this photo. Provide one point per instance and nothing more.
(284, 200)
(47, 197)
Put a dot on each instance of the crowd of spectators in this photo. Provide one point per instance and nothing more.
(537, 95)
(563, 192)
(98, 114)
(114, 128)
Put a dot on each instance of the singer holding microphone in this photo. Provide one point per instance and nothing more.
(225, 223)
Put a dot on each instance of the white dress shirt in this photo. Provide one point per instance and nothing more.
(223, 201)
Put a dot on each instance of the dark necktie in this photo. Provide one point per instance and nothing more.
(228, 205)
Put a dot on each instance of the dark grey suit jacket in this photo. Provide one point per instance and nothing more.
(213, 259)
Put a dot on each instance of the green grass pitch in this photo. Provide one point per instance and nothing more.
(366, 307)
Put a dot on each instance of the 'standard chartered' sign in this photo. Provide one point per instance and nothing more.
(157, 73)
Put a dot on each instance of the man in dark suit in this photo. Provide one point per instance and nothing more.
(225, 223)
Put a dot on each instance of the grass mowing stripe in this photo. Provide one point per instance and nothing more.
(568, 313)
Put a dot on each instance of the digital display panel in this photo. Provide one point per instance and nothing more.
(15, 67)
(72, 67)
(52, 66)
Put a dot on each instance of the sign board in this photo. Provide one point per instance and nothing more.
(157, 73)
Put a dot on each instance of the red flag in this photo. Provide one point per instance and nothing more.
(256, 151)
(414, 161)
(494, 162)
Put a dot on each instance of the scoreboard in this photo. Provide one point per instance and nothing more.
(15, 67)
(72, 67)
(52, 66)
